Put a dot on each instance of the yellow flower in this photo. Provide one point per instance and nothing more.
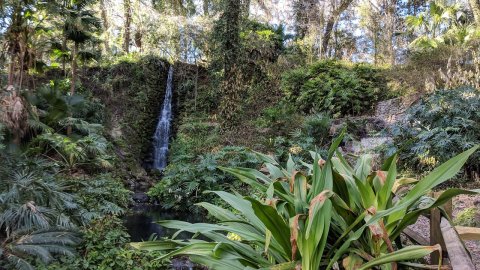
(234, 237)
(295, 150)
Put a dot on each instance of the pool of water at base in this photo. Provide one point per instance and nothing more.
(140, 222)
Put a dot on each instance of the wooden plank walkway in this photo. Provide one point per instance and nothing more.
(458, 255)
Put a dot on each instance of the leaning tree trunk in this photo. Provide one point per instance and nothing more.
(475, 6)
(127, 6)
(332, 19)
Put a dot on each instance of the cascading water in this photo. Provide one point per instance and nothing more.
(162, 133)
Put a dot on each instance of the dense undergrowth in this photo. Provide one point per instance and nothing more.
(439, 126)
(60, 197)
(76, 147)
(341, 89)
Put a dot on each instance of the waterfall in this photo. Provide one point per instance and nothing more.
(162, 133)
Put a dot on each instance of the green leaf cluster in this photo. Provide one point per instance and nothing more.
(334, 87)
(438, 127)
(314, 215)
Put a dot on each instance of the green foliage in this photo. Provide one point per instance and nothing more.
(469, 217)
(19, 248)
(438, 127)
(186, 178)
(31, 198)
(282, 118)
(194, 156)
(40, 211)
(317, 126)
(441, 24)
(105, 247)
(34, 207)
(99, 196)
(53, 113)
(333, 87)
(326, 212)
(310, 132)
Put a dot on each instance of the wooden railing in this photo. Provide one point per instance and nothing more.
(451, 238)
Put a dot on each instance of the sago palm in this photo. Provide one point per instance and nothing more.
(17, 250)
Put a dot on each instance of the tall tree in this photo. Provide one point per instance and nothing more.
(19, 14)
(106, 25)
(205, 5)
(127, 9)
(80, 25)
(230, 45)
(332, 19)
(390, 17)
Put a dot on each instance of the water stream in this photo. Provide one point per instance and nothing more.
(162, 132)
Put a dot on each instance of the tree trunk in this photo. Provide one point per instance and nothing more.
(74, 79)
(196, 86)
(12, 37)
(64, 50)
(127, 6)
(391, 9)
(205, 7)
(332, 19)
(11, 69)
(21, 69)
(74, 69)
(475, 6)
(232, 35)
(230, 103)
(106, 25)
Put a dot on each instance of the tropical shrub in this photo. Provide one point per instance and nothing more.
(313, 215)
(438, 127)
(313, 132)
(40, 211)
(34, 219)
(99, 196)
(18, 249)
(186, 178)
(63, 131)
(330, 86)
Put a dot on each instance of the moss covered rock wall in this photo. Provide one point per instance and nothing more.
(132, 92)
